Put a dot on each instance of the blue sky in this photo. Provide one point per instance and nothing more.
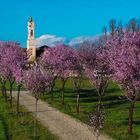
(63, 18)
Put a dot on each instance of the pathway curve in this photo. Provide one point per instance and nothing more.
(60, 124)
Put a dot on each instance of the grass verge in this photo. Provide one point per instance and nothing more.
(19, 127)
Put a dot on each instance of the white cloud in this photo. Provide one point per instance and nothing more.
(49, 40)
(53, 40)
(79, 40)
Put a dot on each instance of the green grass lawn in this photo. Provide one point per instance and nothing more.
(19, 127)
(2, 134)
(116, 109)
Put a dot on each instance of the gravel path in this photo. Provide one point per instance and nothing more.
(60, 124)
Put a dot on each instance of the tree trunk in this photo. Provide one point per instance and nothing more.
(52, 96)
(2, 90)
(62, 98)
(11, 89)
(99, 102)
(35, 118)
(130, 121)
(5, 93)
(43, 93)
(62, 94)
(77, 106)
(3, 83)
(19, 86)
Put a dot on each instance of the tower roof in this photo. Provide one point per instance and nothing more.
(31, 19)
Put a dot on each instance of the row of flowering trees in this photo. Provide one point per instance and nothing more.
(14, 68)
(114, 56)
(12, 64)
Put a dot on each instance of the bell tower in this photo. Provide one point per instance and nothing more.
(31, 45)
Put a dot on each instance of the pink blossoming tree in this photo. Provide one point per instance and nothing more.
(60, 61)
(124, 55)
(96, 65)
(35, 82)
(12, 57)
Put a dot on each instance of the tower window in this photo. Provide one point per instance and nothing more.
(31, 32)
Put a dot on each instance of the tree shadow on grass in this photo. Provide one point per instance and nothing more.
(88, 93)
(114, 104)
(138, 99)
(135, 122)
(113, 90)
(88, 100)
(5, 128)
(111, 98)
(88, 96)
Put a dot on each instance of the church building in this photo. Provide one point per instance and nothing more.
(32, 51)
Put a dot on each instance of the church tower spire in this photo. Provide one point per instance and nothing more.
(31, 45)
(31, 19)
